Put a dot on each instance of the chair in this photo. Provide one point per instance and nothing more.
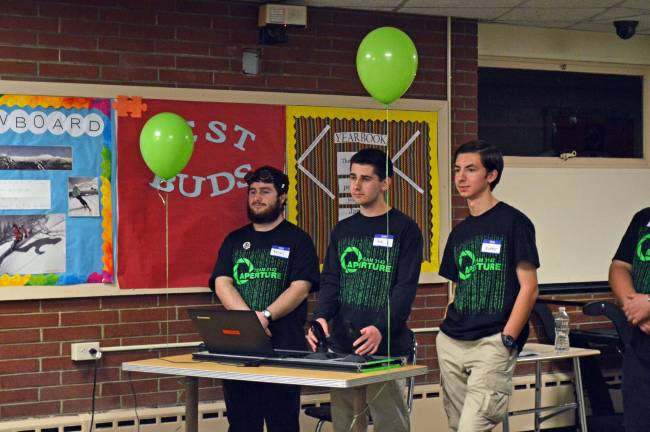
(323, 413)
(618, 337)
(546, 319)
(604, 416)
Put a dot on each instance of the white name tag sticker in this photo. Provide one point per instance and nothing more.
(648, 224)
(280, 251)
(383, 240)
(491, 246)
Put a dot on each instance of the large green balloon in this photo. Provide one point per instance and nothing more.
(386, 63)
(166, 144)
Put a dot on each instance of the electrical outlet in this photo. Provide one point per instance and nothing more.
(82, 351)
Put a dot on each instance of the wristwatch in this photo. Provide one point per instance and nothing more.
(267, 314)
(508, 341)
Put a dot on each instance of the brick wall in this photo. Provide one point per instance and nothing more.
(186, 43)
(183, 44)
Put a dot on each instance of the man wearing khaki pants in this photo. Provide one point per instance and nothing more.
(492, 260)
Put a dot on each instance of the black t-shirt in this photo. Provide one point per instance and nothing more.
(371, 269)
(481, 256)
(262, 265)
(635, 250)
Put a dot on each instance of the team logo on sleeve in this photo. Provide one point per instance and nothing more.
(643, 248)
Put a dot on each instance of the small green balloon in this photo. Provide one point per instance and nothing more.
(166, 144)
(386, 63)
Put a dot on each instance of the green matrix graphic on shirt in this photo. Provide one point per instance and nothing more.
(481, 276)
(259, 277)
(366, 272)
(641, 262)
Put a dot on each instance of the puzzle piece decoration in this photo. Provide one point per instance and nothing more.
(129, 106)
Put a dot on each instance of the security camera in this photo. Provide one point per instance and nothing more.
(625, 29)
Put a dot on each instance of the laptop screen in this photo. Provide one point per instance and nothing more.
(231, 332)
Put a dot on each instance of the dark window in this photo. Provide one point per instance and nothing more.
(547, 113)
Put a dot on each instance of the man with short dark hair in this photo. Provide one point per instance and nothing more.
(369, 279)
(492, 260)
(268, 266)
(629, 277)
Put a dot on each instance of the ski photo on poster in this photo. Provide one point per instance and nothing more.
(33, 244)
(83, 196)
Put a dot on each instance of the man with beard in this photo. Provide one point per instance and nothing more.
(268, 266)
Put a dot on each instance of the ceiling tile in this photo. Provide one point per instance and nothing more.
(354, 4)
(462, 4)
(638, 4)
(545, 24)
(567, 4)
(542, 15)
(622, 14)
(604, 27)
(486, 14)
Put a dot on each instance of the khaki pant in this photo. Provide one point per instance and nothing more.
(384, 402)
(476, 378)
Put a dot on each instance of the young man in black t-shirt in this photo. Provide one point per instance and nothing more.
(268, 266)
(369, 279)
(629, 277)
(492, 260)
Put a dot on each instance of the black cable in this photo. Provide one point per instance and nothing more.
(92, 409)
(135, 399)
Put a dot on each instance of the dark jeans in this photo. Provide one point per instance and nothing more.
(83, 202)
(250, 404)
(636, 393)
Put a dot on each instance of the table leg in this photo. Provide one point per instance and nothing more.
(580, 396)
(191, 404)
(358, 406)
(538, 394)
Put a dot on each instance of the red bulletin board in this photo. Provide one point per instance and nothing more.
(204, 202)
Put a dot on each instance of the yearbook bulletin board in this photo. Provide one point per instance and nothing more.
(320, 142)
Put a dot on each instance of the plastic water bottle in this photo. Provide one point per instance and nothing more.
(561, 330)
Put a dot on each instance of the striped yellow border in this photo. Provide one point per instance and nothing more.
(369, 114)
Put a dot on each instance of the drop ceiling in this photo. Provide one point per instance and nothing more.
(589, 15)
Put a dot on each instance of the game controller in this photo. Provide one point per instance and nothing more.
(322, 347)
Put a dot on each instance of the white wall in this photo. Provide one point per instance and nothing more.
(544, 43)
(581, 207)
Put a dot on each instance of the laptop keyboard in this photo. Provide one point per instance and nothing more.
(350, 358)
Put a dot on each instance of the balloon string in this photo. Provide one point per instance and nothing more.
(387, 129)
(165, 201)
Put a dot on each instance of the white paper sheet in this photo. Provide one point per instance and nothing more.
(25, 195)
